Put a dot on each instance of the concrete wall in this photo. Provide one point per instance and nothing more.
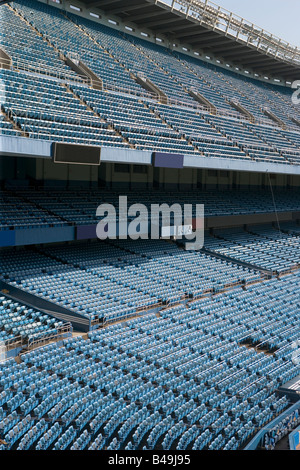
(136, 176)
(112, 175)
(48, 172)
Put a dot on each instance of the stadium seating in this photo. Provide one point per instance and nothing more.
(280, 430)
(111, 283)
(182, 350)
(44, 109)
(156, 359)
(126, 115)
(18, 323)
(28, 50)
(259, 246)
(174, 73)
(73, 112)
(72, 42)
(30, 207)
(18, 212)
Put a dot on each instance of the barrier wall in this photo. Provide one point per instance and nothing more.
(294, 439)
(35, 236)
(25, 147)
(258, 439)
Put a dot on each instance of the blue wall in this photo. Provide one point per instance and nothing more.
(7, 238)
(258, 439)
(294, 439)
(33, 236)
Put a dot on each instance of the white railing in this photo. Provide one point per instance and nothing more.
(147, 97)
(127, 91)
(3, 351)
(34, 341)
(217, 18)
(10, 344)
(27, 129)
(63, 332)
(44, 71)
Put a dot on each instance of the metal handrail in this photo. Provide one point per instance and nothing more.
(34, 342)
(50, 72)
(12, 343)
(140, 95)
(64, 77)
(218, 18)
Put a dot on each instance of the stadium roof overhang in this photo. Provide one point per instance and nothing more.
(253, 48)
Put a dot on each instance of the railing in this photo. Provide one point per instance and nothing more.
(144, 308)
(49, 72)
(217, 18)
(63, 332)
(27, 129)
(127, 91)
(147, 97)
(13, 117)
(13, 343)
(35, 340)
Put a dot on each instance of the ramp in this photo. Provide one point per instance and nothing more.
(83, 70)
(203, 101)
(142, 80)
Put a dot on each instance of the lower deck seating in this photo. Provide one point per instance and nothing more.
(21, 324)
(51, 206)
(18, 212)
(113, 280)
(266, 247)
(183, 380)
